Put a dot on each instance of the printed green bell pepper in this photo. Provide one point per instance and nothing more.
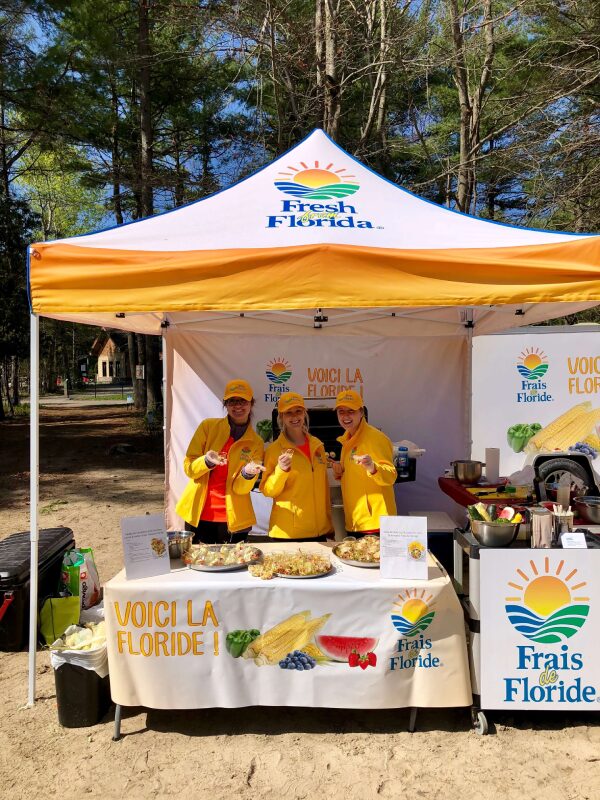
(236, 642)
(518, 435)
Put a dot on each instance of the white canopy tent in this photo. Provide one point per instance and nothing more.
(313, 245)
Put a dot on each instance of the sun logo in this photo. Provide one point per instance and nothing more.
(532, 364)
(317, 182)
(414, 614)
(279, 371)
(546, 609)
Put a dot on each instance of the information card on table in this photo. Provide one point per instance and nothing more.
(145, 546)
(403, 542)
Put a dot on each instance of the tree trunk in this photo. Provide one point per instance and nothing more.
(153, 374)
(14, 379)
(141, 361)
(146, 133)
(5, 373)
(116, 153)
(132, 353)
(2, 413)
(332, 83)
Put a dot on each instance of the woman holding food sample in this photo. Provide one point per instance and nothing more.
(365, 469)
(295, 476)
(222, 462)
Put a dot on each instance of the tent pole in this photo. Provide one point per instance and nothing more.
(469, 393)
(34, 472)
(165, 396)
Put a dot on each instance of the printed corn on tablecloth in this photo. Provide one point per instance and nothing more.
(200, 640)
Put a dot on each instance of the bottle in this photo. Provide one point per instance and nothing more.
(402, 462)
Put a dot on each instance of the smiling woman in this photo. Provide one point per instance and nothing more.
(222, 462)
(296, 477)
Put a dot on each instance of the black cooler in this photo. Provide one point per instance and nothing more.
(15, 556)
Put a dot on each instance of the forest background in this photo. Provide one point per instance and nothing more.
(113, 110)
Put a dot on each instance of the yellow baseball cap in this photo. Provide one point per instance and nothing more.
(349, 399)
(238, 388)
(290, 400)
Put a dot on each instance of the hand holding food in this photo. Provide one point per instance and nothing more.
(218, 459)
(365, 461)
(253, 468)
(285, 460)
(337, 468)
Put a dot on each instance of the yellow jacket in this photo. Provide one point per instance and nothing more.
(301, 504)
(212, 434)
(367, 497)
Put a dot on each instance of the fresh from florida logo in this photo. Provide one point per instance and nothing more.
(317, 183)
(415, 615)
(532, 364)
(279, 371)
(547, 608)
(411, 616)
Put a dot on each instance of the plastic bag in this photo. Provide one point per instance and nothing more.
(56, 615)
(95, 658)
(79, 577)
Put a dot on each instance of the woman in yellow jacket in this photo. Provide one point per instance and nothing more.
(295, 477)
(222, 462)
(366, 468)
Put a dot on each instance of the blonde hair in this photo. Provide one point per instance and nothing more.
(281, 423)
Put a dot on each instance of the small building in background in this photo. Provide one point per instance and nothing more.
(112, 353)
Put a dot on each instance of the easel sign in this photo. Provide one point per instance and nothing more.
(403, 547)
(145, 546)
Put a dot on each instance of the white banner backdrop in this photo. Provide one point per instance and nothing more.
(414, 389)
(507, 392)
(539, 629)
(167, 645)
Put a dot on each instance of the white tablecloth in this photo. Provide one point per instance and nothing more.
(166, 640)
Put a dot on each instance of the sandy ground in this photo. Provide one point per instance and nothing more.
(246, 753)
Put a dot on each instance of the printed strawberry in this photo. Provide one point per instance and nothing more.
(363, 663)
(353, 659)
(371, 659)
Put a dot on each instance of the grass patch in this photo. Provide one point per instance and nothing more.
(53, 506)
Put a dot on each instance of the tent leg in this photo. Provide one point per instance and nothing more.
(34, 467)
(117, 733)
(469, 394)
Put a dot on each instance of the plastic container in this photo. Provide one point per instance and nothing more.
(82, 696)
(15, 555)
(402, 462)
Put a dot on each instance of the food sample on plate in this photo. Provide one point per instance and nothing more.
(297, 565)
(365, 549)
(222, 555)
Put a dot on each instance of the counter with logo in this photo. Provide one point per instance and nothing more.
(193, 639)
(539, 629)
(533, 625)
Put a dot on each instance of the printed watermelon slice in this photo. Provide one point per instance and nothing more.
(338, 648)
(507, 513)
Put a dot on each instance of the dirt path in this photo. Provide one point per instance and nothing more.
(245, 753)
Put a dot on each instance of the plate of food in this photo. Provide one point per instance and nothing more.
(221, 557)
(359, 552)
(299, 565)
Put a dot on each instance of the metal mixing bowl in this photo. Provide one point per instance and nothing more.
(588, 508)
(494, 534)
(467, 471)
(180, 542)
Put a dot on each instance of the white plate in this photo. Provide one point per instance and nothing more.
(304, 577)
(352, 563)
(224, 568)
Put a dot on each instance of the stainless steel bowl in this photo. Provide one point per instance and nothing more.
(494, 534)
(180, 542)
(467, 471)
(588, 508)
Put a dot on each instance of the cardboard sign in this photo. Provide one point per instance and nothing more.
(145, 546)
(403, 547)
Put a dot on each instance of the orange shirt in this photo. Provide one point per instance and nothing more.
(214, 508)
(304, 448)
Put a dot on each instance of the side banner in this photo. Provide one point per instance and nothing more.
(525, 379)
(539, 629)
